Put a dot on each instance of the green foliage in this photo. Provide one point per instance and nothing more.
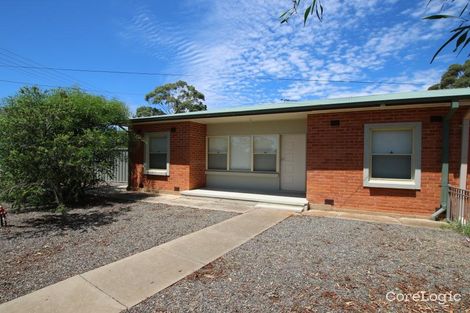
(463, 229)
(459, 34)
(145, 111)
(456, 76)
(177, 97)
(314, 7)
(54, 144)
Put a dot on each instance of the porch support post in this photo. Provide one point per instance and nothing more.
(464, 154)
(445, 158)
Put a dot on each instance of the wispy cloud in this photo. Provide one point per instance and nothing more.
(237, 41)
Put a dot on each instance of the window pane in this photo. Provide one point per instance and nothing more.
(392, 142)
(240, 153)
(217, 161)
(157, 161)
(396, 166)
(264, 162)
(265, 144)
(158, 144)
(217, 145)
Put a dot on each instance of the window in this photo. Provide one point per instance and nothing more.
(265, 153)
(157, 158)
(392, 154)
(217, 153)
(258, 153)
(240, 153)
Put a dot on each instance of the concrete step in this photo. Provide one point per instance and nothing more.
(248, 196)
(285, 207)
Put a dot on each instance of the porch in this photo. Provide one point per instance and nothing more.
(293, 201)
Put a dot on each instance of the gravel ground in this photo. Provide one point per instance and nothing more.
(311, 264)
(40, 248)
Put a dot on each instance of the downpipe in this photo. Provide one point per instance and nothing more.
(445, 163)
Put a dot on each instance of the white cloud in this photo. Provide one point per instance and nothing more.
(238, 41)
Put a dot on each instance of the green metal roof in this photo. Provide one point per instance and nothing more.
(415, 97)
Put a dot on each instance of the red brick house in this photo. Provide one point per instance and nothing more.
(394, 152)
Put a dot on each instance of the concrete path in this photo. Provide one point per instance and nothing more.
(122, 284)
(235, 206)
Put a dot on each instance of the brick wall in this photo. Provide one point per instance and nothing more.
(197, 168)
(187, 158)
(335, 161)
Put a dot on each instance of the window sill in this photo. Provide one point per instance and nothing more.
(241, 173)
(392, 184)
(157, 172)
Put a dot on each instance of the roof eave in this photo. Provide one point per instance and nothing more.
(306, 108)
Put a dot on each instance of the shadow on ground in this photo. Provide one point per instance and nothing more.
(91, 213)
(101, 206)
(53, 224)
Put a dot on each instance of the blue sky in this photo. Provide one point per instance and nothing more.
(225, 48)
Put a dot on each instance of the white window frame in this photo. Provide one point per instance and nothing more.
(207, 152)
(229, 157)
(415, 181)
(277, 136)
(251, 170)
(153, 171)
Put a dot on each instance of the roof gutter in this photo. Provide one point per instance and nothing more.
(445, 163)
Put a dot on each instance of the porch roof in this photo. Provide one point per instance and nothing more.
(415, 97)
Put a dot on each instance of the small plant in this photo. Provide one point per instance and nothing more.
(460, 228)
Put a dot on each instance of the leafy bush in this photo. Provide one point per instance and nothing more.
(55, 144)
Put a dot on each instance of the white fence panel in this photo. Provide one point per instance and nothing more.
(459, 205)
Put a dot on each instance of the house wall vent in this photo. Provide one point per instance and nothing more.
(436, 119)
(334, 123)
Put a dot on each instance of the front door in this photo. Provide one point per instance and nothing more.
(293, 160)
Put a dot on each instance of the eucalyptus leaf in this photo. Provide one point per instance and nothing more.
(460, 40)
(439, 16)
(307, 12)
(446, 43)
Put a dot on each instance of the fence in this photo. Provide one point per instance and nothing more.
(121, 168)
(459, 205)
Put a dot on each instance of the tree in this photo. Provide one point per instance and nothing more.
(144, 111)
(459, 32)
(177, 97)
(456, 76)
(55, 144)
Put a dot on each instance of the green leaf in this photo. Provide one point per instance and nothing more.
(460, 28)
(307, 12)
(465, 44)
(463, 10)
(319, 15)
(446, 43)
(285, 16)
(439, 16)
(460, 40)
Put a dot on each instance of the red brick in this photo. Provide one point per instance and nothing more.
(187, 158)
(335, 161)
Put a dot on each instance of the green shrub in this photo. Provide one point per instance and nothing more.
(460, 228)
(55, 144)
